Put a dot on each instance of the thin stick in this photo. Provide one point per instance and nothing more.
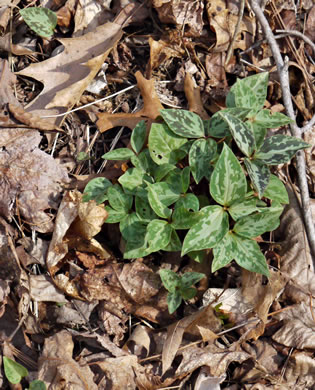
(236, 32)
(297, 34)
(295, 130)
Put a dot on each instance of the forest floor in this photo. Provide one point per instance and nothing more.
(73, 311)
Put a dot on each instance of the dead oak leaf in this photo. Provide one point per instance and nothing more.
(31, 180)
(66, 75)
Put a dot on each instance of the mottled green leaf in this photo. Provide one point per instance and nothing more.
(202, 152)
(119, 154)
(258, 223)
(228, 181)
(174, 299)
(132, 179)
(223, 252)
(242, 134)
(118, 199)
(170, 279)
(259, 132)
(184, 219)
(189, 201)
(160, 196)
(162, 171)
(185, 179)
(164, 146)
(250, 92)
(132, 228)
(114, 216)
(138, 136)
(144, 210)
(218, 127)
(240, 209)
(188, 292)
(198, 256)
(158, 234)
(174, 180)
(190, 278)
(96, 189)
(175, 244)
(144, 162)
(184, 123)
(37, 385)
(247, 254)
(276, 190)
(14, 371)
(259, 174)
(136, 249)
(41, 20)
(270, 120)
(279, 149)
(210, 229)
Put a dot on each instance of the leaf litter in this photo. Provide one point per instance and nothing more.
(88, 319)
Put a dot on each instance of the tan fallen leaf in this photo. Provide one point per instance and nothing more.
(58, 369)
(66, 75)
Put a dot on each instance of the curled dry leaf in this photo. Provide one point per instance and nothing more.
(58, 369)
(31, 180)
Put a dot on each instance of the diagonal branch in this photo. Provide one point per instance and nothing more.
(295, 130)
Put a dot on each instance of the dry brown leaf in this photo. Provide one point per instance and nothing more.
(205, 381)
(310, 25)
(42, 289)
(309, 137)
(269, 362)
(121, 372)
(31, 120)
(69, 212)
(31, 180)
(223, 22)
(8, 46)
(192, 93)
(59, 370)
(8, 80)
(151, 108)
(160, 52)
(90, 220)
(66, 75)
(296, 259)
(139, 342)
(175, 332)
(184, 12)
(298, 330)
(300, 372)
(216, 358)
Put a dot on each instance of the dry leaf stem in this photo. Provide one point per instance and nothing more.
(295, 130)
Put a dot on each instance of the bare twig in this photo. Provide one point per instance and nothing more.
(236, 31)
(295, 130)
(297, 34)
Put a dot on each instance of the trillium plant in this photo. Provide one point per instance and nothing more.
(202, 184)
